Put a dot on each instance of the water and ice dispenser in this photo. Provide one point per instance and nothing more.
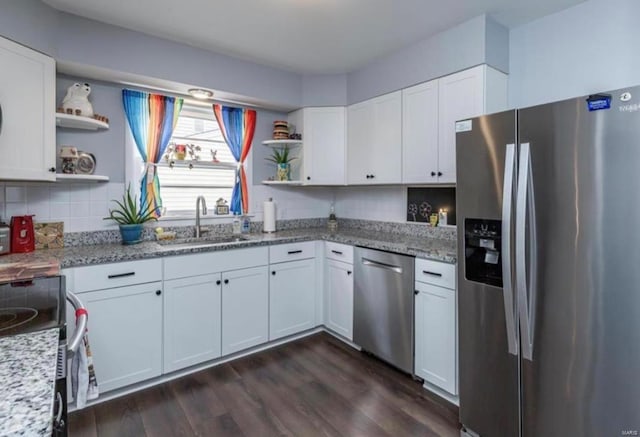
(483, 251)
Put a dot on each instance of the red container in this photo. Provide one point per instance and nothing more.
(22, 234)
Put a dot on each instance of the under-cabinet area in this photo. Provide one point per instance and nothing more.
(156, 318)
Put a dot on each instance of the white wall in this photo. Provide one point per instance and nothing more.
(372, 203)
(474, 42)
(81, 207)
(591, 47)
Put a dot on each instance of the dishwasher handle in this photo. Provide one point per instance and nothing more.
(378, 264)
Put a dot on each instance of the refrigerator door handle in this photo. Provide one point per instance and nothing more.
(507, 213)
(525, 284)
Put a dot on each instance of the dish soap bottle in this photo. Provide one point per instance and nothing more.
(237, 225)
(332, 223)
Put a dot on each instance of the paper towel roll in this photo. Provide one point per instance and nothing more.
(269, 216)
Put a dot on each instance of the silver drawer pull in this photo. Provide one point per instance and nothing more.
(293, 252)
(337, 252)
(439, 275)
(121, 275)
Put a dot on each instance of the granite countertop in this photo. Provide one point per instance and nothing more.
(421, 247)
(27, 383)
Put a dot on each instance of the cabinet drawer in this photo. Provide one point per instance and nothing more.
(292, 252)
(436, 273)
(184, 266)
(116, 275)
(339, 252)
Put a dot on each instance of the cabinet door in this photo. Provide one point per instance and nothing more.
(360, 134)
(125, 332)
(192, 321)
(339, 298)
(420, 133)
(385, 153)
(324, 151)
(435, 353)
(27, 122)
(245, 309)
(461, 97)
(292, 297)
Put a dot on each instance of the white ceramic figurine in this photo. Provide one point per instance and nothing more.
(77, 99)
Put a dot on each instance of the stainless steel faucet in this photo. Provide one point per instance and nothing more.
(199, 200)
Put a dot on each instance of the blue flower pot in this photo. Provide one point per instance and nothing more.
(131, 234)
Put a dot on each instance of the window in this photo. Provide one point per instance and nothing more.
(180, 185)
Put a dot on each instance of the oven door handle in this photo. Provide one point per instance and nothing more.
(57, 422)
(81, 322)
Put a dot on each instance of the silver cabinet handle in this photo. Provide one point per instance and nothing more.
(368, 262)
(81, 324)
(507, 282)
(526, 284)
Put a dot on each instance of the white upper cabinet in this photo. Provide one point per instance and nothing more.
(470, 93)
(27, 117)
(324, 144)
(374, 141)
(430, 112)
(420, 133)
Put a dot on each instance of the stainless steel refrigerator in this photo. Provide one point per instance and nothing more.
(548, 204)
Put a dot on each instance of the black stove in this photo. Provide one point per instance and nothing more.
(35, 305)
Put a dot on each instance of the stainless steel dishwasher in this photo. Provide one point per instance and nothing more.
(383, 306)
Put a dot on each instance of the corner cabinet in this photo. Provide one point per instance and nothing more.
(374, 141)
(324, 137)
(430, 113)
(27, 114)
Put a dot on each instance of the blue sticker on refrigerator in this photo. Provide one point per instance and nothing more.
(598, 102)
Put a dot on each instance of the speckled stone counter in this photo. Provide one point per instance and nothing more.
(443, 250)
(27, 383)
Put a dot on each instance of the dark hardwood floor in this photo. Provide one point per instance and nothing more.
(315, 386)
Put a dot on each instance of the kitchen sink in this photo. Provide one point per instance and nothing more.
(200, 242)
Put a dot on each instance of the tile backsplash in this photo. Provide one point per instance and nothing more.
(80, 206)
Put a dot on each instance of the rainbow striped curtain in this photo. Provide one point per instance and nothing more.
(238, 126)
(152, 118)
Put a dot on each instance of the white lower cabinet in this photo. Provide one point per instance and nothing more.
(245, 309)
(192, 321)
(292, 298)
(125, 330)
(339, 298)
(435, 336)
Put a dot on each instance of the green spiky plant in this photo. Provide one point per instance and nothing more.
(127, 212)
(280, 156)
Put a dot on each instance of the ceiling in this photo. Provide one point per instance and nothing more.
(304, 36)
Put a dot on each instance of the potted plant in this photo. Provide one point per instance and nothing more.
(130, 218)
(282, 159)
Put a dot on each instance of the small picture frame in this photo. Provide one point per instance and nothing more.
(222, 209)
